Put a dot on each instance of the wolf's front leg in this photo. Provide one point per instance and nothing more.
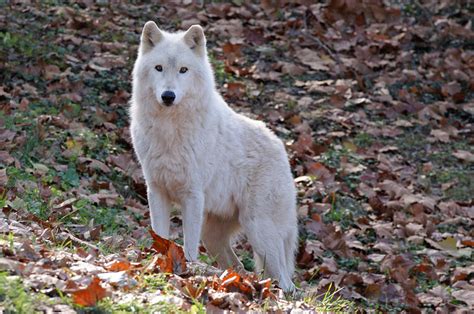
(193, 212)
(160, 208)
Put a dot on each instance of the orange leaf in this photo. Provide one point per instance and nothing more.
(194, 291)
(176, 254)
(161, 245)
(266, 293)
(173, 260)
(119, 266)
(166, 264)
(229, 276)
(151, 266)
(246, 287)
(234, 282)
(316, 217)
(468, 243)
(90, 295)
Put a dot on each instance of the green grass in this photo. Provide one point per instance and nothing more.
(23, 45)
(363, 139)
(205, 258)
(464, 182)
(107, 306)
(83, 210)
(332, 157)
(15, 297)
(156, 284)
(247, 260)
(348, 263)
(219, 70)
(344, 210)
(39, 158)
(446, 168)
(424, 283)
(330, 302)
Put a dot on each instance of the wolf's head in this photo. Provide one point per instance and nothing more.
(172, 68)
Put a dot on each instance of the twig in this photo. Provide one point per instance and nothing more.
(319, 42)
(75, 239)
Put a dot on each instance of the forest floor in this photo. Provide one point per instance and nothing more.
(374, 102)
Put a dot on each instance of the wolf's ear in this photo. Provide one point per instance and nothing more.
(151, 35)
(195, 39)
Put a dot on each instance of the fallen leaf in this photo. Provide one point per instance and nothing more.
(234, 282)
(440, 135)
(467, 296)
(173, 260)
(3, 177)
(118, 279)
(118, 265)
(312, 58)
(448, 244)
(464, 155)
(451, 88)
(91, 295)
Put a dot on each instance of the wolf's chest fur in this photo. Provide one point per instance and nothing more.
(180, 156)
(169, 155)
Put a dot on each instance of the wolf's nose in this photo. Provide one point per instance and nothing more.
(168, 97)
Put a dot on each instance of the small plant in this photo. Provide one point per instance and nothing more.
(331, 303)
(135, 306)
(13, 296)
(247, 261)
(363, 139)
(156, 282)
(209, 260)
(219, 70)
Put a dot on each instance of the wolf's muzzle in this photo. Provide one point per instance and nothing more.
(168, 97)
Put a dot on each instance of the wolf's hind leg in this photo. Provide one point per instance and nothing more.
(267, 240)
(217, 235)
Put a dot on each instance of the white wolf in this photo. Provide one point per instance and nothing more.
(228, 173)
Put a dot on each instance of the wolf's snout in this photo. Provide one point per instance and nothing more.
(168, 97)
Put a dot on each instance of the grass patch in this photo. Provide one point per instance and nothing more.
(150, 284)
(156, 282)
(15, 297)
(107, 306)
(464, 183)
(205, 258)
(83, 210)
(219, 70)
(348, 263)
(247, 261)
(344, 211)
(330, 302)
(363, 139)
(424, 283)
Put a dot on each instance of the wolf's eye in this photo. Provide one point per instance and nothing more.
(183, 70)
(159, 68)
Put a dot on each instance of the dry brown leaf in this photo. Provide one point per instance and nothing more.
(464, 155)
(314, 60)
(3, 177)
(467, 296)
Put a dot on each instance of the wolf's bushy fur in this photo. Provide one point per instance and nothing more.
(228, 173)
